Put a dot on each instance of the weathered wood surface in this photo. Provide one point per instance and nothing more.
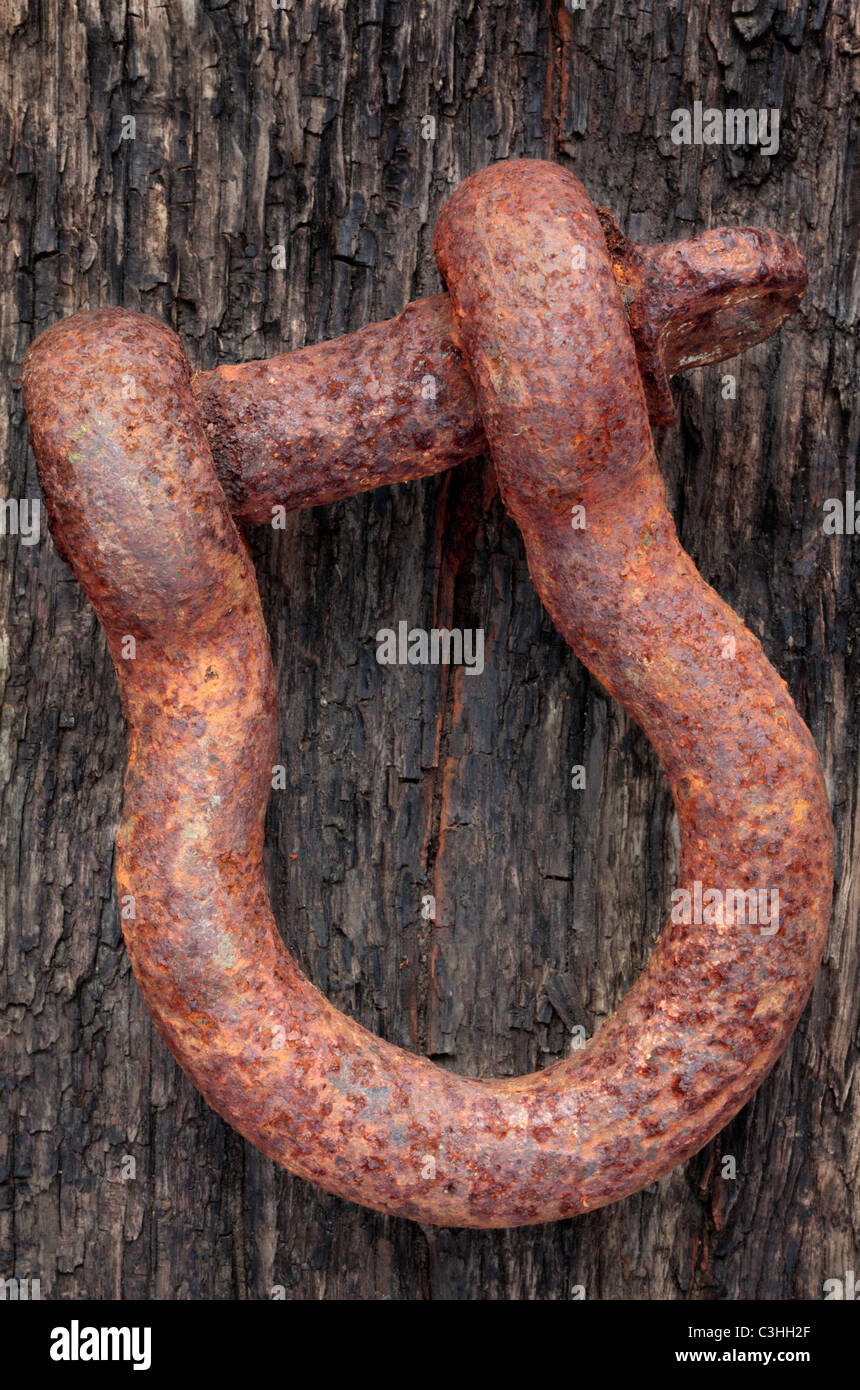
(302, 127)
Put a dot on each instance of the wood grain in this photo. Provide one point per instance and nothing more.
(303, 128)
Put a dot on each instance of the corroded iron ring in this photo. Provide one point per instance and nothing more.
(540, 298)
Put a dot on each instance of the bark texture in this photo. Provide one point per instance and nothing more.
(335, 132)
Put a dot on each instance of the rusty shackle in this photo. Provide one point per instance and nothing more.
(553, 345)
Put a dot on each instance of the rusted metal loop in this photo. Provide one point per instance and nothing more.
(550, 350)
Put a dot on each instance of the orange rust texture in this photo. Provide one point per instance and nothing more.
(555, 375)
(386, 404)
(701, 300)
(135, 502)
(394, 402)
